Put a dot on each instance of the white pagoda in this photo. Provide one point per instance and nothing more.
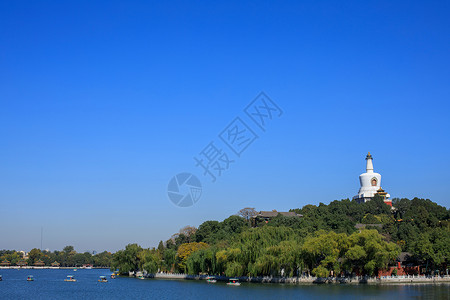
(371, 184)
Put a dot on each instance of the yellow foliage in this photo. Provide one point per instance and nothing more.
(185, 250)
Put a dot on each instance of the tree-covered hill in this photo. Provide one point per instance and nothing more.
(324, 241)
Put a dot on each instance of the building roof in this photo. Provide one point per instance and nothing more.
(39, 263)
(5, 263)
(22, 263)
(404, 256)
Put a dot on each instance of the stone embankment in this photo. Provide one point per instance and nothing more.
(311, 279)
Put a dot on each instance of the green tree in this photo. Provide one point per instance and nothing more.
(127, 260)
(161, 249)
(368, 251)
(34, 255)
(322, 250)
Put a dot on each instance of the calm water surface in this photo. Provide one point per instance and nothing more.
(50, 284)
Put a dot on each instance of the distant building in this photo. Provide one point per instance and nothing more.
(39, 263)
(371, 184)
(5, 263)
(266, 216)
(55, 264)
(22, 263)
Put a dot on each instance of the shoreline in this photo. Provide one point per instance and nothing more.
(406, 279)
(410, 279)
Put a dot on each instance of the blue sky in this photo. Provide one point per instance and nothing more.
(102, 103)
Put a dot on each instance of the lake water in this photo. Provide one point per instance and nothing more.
(50, 284)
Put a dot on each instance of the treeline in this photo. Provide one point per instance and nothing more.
(322, 242)
(68, 257)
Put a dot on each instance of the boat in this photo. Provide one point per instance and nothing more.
(234, 281)
(75, 269)
(70, 278)
(211, 279)
(30, 278)
(140, 275)
(102, 279)
(1, 278)
(115, 274)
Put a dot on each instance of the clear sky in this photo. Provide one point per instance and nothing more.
(103, 102)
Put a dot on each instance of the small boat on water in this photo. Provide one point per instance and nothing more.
(70, 278)
(234, 281)
(140, 275)
(30, 278)
(113, 276)
(211, 279)
(1, 278)
(102, 279)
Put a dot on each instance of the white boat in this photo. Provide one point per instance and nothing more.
(70, 278)
(211, 279)
(102, 279)
(234, 281)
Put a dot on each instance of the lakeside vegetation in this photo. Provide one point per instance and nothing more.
(68, 257)
(323, 242)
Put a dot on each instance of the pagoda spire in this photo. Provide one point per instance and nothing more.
(369, 165)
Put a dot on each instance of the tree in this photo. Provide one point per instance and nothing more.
(188, 232)
(201, 261)
(170, 260)
(368, 251)
(185, 250)
(34, 255)
(102, 259)
(207, 231)
(149, 261)
(247, 213)
(127, 260)
(161, 249)
(433, 247)
(170, 244)
(68, 249)
(233, 224)
(322, 251)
